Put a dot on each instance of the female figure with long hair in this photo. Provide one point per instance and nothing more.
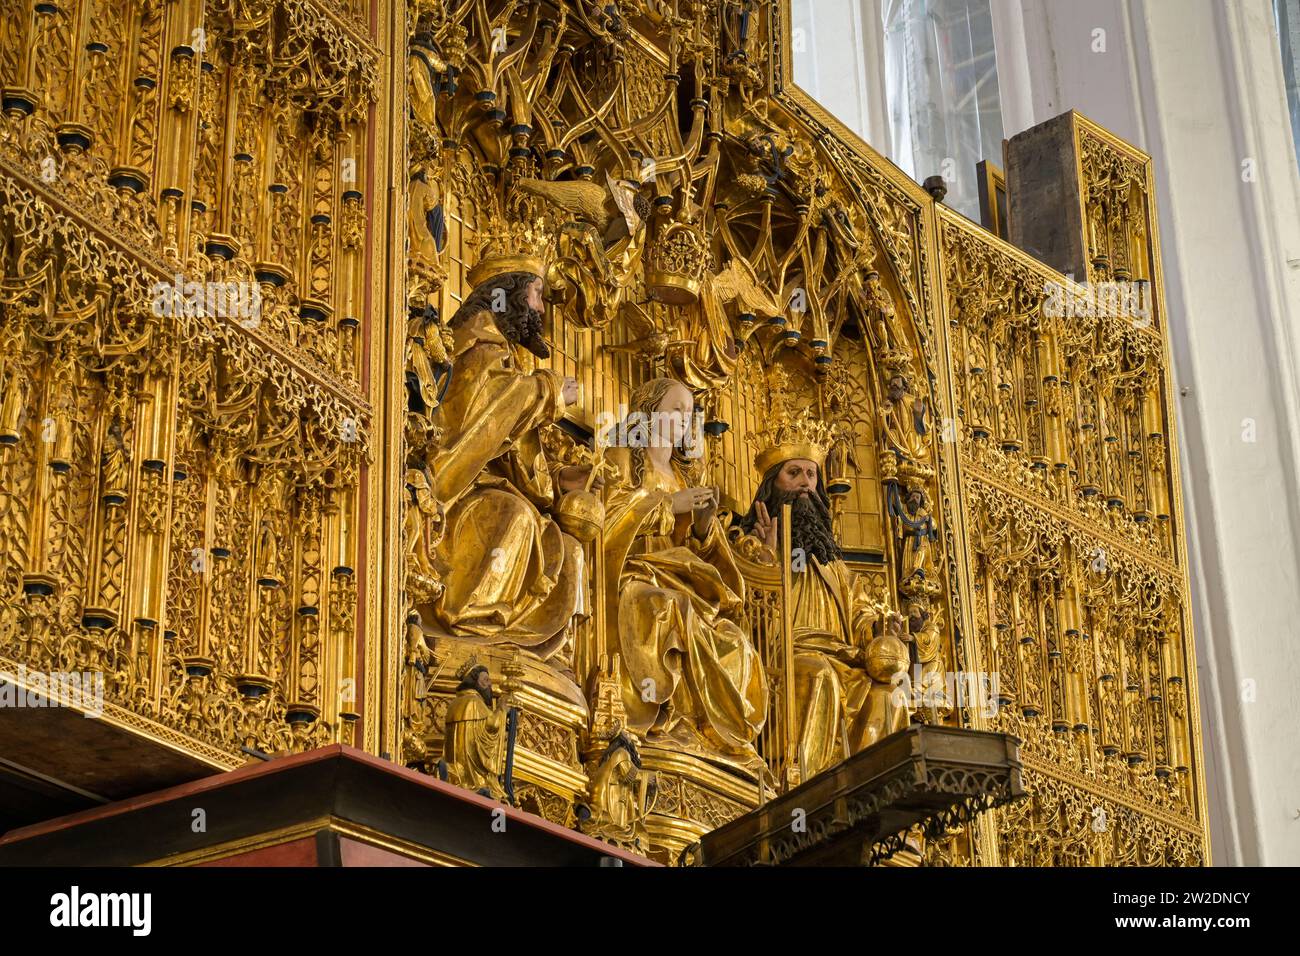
(672, 590)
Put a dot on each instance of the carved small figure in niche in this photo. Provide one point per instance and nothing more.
(902, 422)
(11, 405)
(880, 304)
(477, 734)
(428, 368)
(418, 653)
(622, 794)
(426, 222)
(427, 74)
(424, 523)
(114, 461)
(926, 628)
(916, 532)
(268, 548)
(271, 485)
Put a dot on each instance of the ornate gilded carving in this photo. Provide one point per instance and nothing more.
(173, 409)
(269, 441)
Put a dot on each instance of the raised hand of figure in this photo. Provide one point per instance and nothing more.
(896, 626)
(690, 500)
(703, 514)
(764, 526)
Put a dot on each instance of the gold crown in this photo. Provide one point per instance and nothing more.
(516, 248)
(678, 260)
(808, 438)
(514, 233)
(791, 432)
(464, 669)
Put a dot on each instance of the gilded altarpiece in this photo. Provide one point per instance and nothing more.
(186, 362)
(235, 513)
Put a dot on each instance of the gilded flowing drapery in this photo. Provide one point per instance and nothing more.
(839, 708)
(510, 574)
(476, 739)
(689, 672)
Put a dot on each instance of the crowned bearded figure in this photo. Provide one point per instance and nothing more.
(849, 647)
(673, 592)
(509, 574)
(474, 749)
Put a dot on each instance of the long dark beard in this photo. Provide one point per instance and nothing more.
(470, 682)
(518, 322)
(810, 517)
(523, 326)
(810, 527)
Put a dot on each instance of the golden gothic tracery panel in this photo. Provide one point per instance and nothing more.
(457, 248)
(186, 426)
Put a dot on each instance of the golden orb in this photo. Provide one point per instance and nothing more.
(581, 514)
(886, 656)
